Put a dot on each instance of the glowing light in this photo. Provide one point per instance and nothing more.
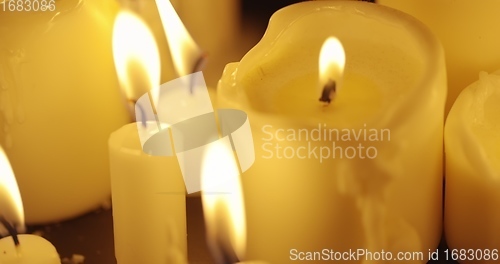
(136, 56)
(223, 203)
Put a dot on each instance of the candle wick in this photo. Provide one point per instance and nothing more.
(11, 229)
(199, 65)
(228, 256)
(328, 92)
(142, 112)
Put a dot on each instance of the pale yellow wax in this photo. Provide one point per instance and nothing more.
(149, 202)
(394, 80)
(469, 34)
(59, 100)
(472, 148)
(31, 250)
(214, 26)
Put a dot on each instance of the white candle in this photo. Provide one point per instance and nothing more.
(213, 25)
(223, 204)
(472, 193)
(58, 104)
(154, 163)
(469, 34)
(187, 56)
(149, 203)
(31, 249)
(311, 189)
(148, 193)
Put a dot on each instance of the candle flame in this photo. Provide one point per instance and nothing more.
(331, 65)
(223, 203)
(11, 204)
(136, 56)
(185, 52)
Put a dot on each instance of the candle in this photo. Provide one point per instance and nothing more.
(149, 202)
(32, 249)
(185, 52)
(467, 32)
(223, 204)
(364, 171)
(148, 194)
(19, 249)
(59, 102)
(214, 25)
(152, 160)
(184, 55)
(472, 169)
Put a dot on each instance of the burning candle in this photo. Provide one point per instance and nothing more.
(148, 194)
(214, 25)
(223, 204)
(363, 171)
(149, 202)
(472, 198)
(187, 56)
(19, 249)
(58, 104)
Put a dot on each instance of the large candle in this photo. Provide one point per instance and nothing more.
(467, 31)
(59, 101)
(30, 249)
(148, 194)
(363, 172)
(472, 197)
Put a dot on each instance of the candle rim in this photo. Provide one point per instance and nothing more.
(458, 129)
(426, 42)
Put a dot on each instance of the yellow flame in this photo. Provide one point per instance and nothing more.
(222, 197)
(136, 56)
(11, 204)
(331, 62)
(185, 53)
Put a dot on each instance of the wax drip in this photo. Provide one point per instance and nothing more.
(13, 81)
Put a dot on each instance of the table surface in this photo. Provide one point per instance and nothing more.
(92, 236)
